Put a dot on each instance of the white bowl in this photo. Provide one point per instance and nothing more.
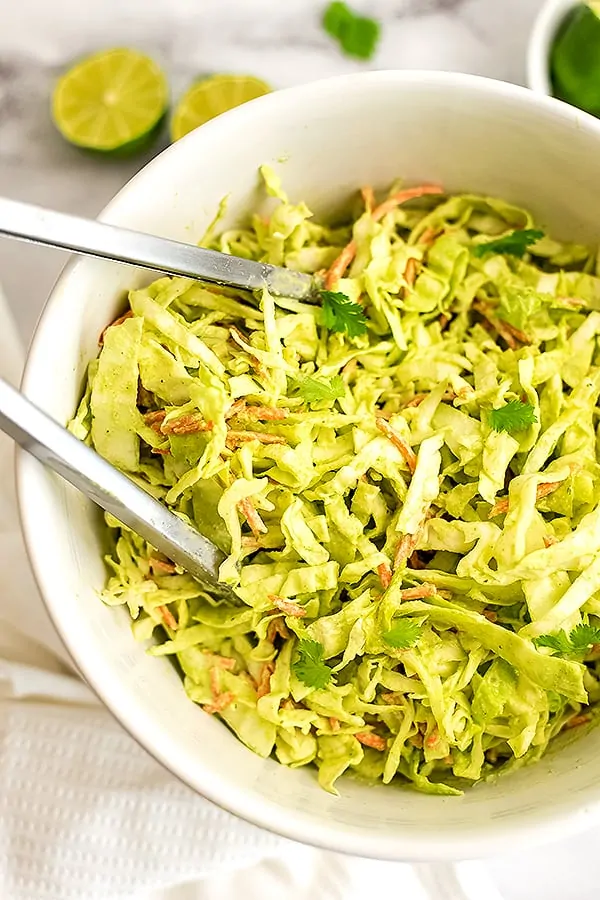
(326, 139)
(546, 26)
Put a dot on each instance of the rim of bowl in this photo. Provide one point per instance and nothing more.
(546, 25)
(529, 832)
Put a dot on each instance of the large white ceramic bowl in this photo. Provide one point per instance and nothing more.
(326, 139)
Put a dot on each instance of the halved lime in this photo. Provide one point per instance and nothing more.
(211, 97)
(111, 102)
(575, 59)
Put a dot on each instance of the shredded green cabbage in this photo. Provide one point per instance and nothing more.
(440, 470)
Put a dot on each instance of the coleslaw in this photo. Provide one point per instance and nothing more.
(404, 478)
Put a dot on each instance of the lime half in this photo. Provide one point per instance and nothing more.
(209, 98)
(111, 102)
(575, 59)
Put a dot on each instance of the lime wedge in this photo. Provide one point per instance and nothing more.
(575, 59)
(111, 102)
(211, 97)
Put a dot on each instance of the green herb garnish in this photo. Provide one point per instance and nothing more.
(578, 641)
(342, 315)
(513, 416)
(404, 634)
(357, 35)
(309, 667)
(513, 244)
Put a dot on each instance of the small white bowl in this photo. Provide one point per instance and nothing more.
(467, 133)
(547, 24)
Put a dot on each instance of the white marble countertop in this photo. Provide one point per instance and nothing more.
(278, 40)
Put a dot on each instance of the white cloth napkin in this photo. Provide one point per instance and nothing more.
(87, 814)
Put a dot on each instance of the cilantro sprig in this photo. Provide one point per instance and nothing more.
(513, 416)
(342, 315)
(581, 638)
(357, 35)
(404, 634)
(309, 667)
(314, 389)
(513, 244)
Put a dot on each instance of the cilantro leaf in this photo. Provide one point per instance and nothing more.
(559, 642)
(314, 389)
(357, 35)
(513, 416)
(581, 639)
(513, 244)
(404, 634)
(309, 667)
(341, 314)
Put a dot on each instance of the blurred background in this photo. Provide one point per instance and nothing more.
(280, 41)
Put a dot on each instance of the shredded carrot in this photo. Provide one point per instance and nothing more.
(168, 617)
(161, 451)
(429, 236)
(517, 333)
(235, 438)
(547, 487)
(221, 662)
(277, 627)
(248, 510)
(405, 549)
(418, 399)
(582, 719)
(220, 703)
(399, 443)
(154, 419)
(162, 566)
(576, 302)
(238, 335)
(215, 681)
(371, 740)
(385, 574)
(410, 272)
(418, 593)
(513, 336)
(334, 723)
(264, 682)
(189, 423)
(368, 198)
(338, 267)
(550, 540)
(265, 413)
(342, 262)
(287, 606)
(490, 615)
(118, 321)
(402, 197)
(235, 408)
(391, 698)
